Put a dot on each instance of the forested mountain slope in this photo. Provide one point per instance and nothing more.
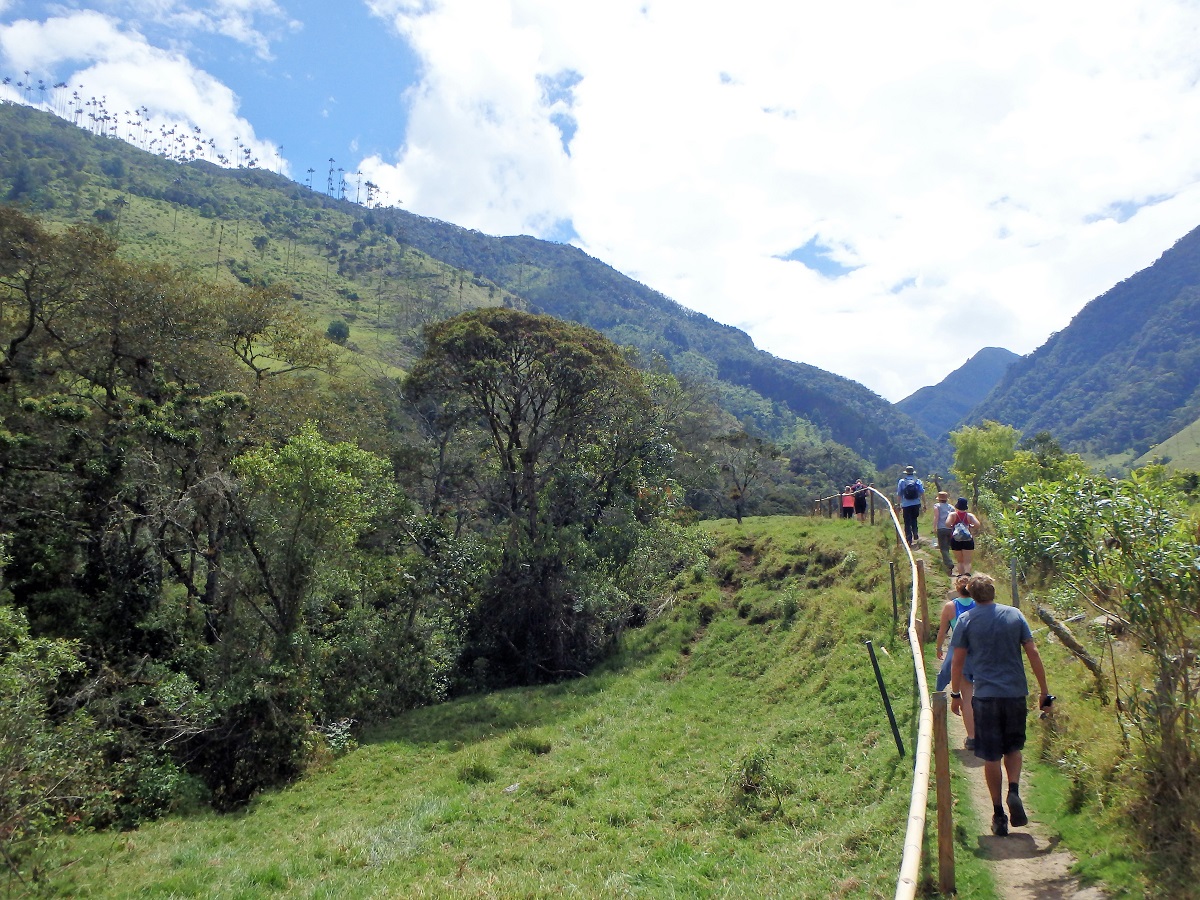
(1125, 374)
(565, 282)
(939, 408)
(387, 273)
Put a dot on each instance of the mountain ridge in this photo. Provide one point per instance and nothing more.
(57, 169)
(939, 408)
(1124, 374)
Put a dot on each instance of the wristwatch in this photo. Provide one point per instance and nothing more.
(955, 695)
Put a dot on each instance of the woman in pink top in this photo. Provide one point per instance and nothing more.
(848, 503)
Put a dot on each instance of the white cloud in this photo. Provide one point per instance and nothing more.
(251, 22)
(124, 70)
(987, 158)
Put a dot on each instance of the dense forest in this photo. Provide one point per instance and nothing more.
(229, 548)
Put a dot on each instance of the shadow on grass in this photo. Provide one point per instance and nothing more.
(477, 717)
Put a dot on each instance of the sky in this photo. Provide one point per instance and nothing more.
(878, 189)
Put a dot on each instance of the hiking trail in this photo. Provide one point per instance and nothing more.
(1027, 865)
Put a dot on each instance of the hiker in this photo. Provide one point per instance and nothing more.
(860, 499)
(962, 525)
(952, 611)
(910, 493)
(848, 502)
(992, 637)
(941, 511)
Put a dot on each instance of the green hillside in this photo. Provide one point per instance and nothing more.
(1180, 451)
(386, 273)
(736, 747)
(1125, 374)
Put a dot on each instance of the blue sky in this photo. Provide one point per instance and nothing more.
(944, 176)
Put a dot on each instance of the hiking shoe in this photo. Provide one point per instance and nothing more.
(969, 744)
(1016, 809)
(1000, 825)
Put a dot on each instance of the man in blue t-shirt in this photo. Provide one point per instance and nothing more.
(993, 637)
(910, 494)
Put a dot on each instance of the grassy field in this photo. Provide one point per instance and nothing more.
(1181, 450)
(736, 747)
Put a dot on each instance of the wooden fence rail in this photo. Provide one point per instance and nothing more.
(918, 626)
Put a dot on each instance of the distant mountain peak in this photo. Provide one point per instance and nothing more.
(939, 408)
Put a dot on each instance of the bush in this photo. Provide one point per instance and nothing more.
(338, 331)
(51, 765)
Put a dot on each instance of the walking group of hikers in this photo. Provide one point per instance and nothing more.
(983, 666)
(854, 501)
(955, 525)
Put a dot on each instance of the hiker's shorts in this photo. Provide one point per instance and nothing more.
(999, 726)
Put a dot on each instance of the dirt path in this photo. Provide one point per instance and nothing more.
(1026, 865)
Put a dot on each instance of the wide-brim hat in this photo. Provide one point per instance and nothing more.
(909, 470)
(961, 503)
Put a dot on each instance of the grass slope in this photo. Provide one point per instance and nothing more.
(1180, 451)
(735, 747)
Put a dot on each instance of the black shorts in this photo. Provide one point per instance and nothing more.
(999, 726)
(860, 504)
(962, 545)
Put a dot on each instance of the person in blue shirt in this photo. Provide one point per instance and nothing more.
(992, 637)
(910, 494)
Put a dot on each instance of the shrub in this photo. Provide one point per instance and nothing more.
(51, 766)
(1127, 550)
(338, 331)
(751, 779)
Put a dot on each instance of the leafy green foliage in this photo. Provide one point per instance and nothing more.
(1039, 458)
(565, 441)
(1126, 549)
(301, 510)
(51, 766)
(979, 450)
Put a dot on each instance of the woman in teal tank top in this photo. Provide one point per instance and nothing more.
(952, 611)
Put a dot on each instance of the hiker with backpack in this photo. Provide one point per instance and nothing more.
(962, 525)
(910, 494)
(953, 610)
(860, 500)
(941, 512)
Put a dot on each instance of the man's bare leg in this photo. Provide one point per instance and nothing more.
(1016, 809)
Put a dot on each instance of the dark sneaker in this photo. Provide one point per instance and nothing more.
(1016, 810)
(1000, 825)
(970, 745)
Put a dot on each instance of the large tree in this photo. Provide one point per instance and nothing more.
(978, 449)
(559, 434)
